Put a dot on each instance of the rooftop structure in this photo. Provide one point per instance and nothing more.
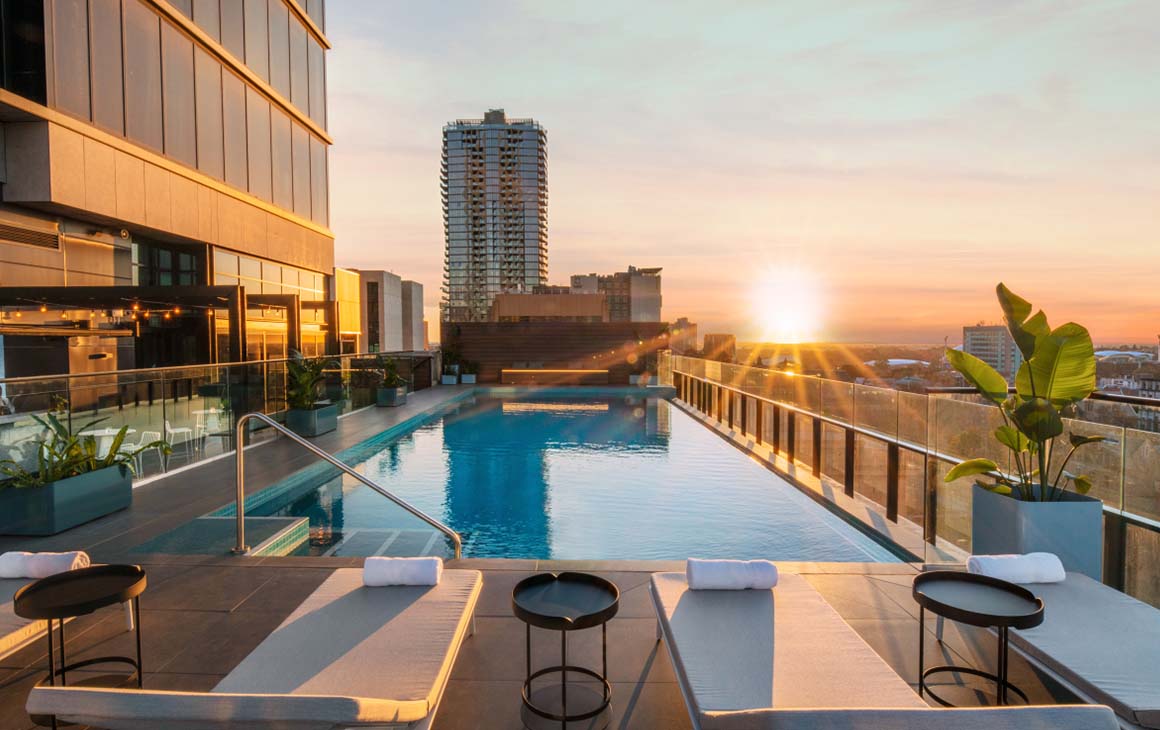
(549, 308)
(633, 295)
(992, 344)
(495, 212)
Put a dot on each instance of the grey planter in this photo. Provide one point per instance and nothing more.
(64, 504)
(467, 378)
(449, 379)
(1072, 528)
(391, 396)
(313, 422)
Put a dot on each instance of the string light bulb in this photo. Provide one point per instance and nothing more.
(177, 310)
(43, 308)
(136, 307)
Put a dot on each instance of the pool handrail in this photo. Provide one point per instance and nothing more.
(240, 432)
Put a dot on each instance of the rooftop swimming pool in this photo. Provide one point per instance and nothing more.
(561, 478)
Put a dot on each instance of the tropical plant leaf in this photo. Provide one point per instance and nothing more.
(1012, 438)
(1082, 483)
(1038, 420)
(1015, 307)
(1063, 368)
(1000, 488)
(984, 378)
(1078, 440)
(971, 467)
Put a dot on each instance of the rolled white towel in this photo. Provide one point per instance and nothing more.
(730, 575)
(402, 571)
(1029, 568)
(40, 565)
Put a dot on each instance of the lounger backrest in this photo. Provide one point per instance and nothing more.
(116, 709)
(15, 631)
(1054, 717)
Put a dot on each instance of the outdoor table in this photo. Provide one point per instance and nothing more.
(104, 437)
(565, 602)
(977, 600)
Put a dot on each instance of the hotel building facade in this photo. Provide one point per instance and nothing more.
(495, 212)
(164, 180)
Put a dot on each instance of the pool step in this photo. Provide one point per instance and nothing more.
(361, 542)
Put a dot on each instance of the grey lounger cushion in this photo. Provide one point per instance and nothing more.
(15, 632)
(1103, 642)
(785, 648)
(348, 656)
(1056, 717)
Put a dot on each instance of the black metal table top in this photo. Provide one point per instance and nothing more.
(978, 600)
(79, 592)
(565, 601)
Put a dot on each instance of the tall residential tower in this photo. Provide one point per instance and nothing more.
(495, 212)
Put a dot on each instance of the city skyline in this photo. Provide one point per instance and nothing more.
(902, 159)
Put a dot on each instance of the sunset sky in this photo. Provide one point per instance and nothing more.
(884, 163)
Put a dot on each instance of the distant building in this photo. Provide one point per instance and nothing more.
(720, 347)
(412, 316)
(495, 212)
(549, 308)
(633, 295)
(993, 344)
(1149, 388)
(382, 311)
(552, 289)
(683, 336)
(347, 300)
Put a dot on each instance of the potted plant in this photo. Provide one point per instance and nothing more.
(468, 371)
(450, 367)
(393, 388)
(308, 415)
(72, 482)
(1036, 504)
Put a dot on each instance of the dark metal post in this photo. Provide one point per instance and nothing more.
(816, 464)
(776, 429)
(1115, 547)
(851, 443)
(930, 519)
(137, 629)
(758, 425)
(564, 679)
(892, 482)
(744, 414)
(790, 436)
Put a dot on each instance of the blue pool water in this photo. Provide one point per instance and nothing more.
(613, 478)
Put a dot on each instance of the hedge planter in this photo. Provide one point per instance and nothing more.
(313, 422)
(66, 503)
(1072, 528)
(391, 396)
(450, 379)
(467, 378)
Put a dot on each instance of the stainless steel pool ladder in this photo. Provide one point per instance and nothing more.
(239, 440)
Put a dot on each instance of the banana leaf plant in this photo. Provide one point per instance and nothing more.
(1058, 371)
(62, 454)
(304, 379)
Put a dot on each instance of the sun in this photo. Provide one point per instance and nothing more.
(788, 304)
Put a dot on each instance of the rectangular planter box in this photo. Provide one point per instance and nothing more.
(450, 379)
(467, 378)
(391, 396)
(314, 422)
(63, 504)
(1072, 528)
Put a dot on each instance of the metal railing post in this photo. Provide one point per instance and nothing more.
(850, 463)
(892, 458)
(240, 464)
(817, 455)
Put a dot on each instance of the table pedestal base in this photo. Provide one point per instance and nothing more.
(583, 698)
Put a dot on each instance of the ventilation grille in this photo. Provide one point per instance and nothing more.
(29, 237)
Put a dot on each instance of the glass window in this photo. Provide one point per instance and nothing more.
(23, 48)
(257, 38)
(207, 15)
(317, 11)
(225, 280)
(280, 47)
(233, 28)
(299, 75)
(301, 153)
(208, 75)
(105, 62)
(143, 75)
(248, 267)
(319, 209)
(177, 77)
(317, 67)
(185, 6)
(289, 277)
(282, 165)
(70, 28)
(224, 263)
(258, 140)
(234, 130)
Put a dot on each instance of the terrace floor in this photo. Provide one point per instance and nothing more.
(201, 615)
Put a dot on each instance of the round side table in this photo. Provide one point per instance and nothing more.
(565, 602)
(977, 600)
(79, 593)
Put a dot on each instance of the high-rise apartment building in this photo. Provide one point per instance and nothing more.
(165, 179)
(633, 295)
(495, 212)
(993, 344)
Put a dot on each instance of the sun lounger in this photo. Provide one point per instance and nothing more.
(15, 632)
(785, 660)
(348, 657)
(1102, 644)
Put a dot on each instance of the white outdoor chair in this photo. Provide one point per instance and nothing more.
(183, 436)
(147, 437)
